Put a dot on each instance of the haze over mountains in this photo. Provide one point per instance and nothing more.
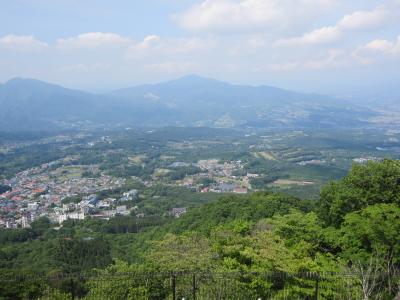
(28, 104)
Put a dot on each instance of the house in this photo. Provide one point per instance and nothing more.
(77, 215)
(122, 210)
(240, 190)
(106, 203)
(252, 175)
(91, 199)
(179, 164)
(11, 224)
(226, 187)
(178, 211)
(364, 160)
(205, 190)
(106, 214)
(38, 191)
(129, 196)
(33, 206)
(69, 207)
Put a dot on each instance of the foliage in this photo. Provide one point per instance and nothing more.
(372, 183)
(4, 188)
(72, 199)
(40, 226)
(14, 285)
(15, 235)
(125, 286)
(189, 252)
(261, 182)
(182, 172)
(257, 206)
(74, 255)
(374, 229)
(354, 227)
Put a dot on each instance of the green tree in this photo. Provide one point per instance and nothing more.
(372, 183)
(76, 255)
(15, 285)
(375, 229)
(371, 244)
(124, 281)
(41, 225)
(187, 252)
(4, 188)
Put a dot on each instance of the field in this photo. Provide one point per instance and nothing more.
(284, 182)
(297, 162)
(137, 159)
(68, 172)
(265, 154)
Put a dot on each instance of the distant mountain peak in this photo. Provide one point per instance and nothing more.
(196, 77)
(32, 84)
(193, 79)
(15, 80)
(30, 81)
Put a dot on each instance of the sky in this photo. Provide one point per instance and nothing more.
(325, 46)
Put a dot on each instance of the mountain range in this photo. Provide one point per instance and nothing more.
(29, 104)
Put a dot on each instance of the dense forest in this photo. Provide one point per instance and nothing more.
(353, 228)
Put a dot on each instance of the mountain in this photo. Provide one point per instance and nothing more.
(188, 101)
(32, 104)
(209, 102)
(29, 103)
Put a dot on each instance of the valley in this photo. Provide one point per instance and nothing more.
(171, 168)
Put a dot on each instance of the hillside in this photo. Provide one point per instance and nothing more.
(209, 102)
(264, 245)
(29, 104)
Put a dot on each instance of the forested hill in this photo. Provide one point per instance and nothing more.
(353, 228)
(28, 104)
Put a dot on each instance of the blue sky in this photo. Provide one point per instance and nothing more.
(330, 46)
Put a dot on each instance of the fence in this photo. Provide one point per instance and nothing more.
(200, 285)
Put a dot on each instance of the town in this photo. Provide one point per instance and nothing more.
(159, 173)
(46, 191)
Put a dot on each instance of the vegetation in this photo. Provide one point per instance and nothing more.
(350, 226)
(353, 227)
(372, 184)
(4, 188)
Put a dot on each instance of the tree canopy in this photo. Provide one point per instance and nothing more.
(354, 226)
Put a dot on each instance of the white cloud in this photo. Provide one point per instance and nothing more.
(366, 19)
(93, 40)
(374, 50)
(230, 15)
(319, 36)
(22, 43)
(383, 46)
(358, 20)
(156, 46)
(147, 42)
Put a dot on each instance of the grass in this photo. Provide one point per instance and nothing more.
(68, 172)
(283, 182)
(137, 159)
(161, 172)
(265, 154)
